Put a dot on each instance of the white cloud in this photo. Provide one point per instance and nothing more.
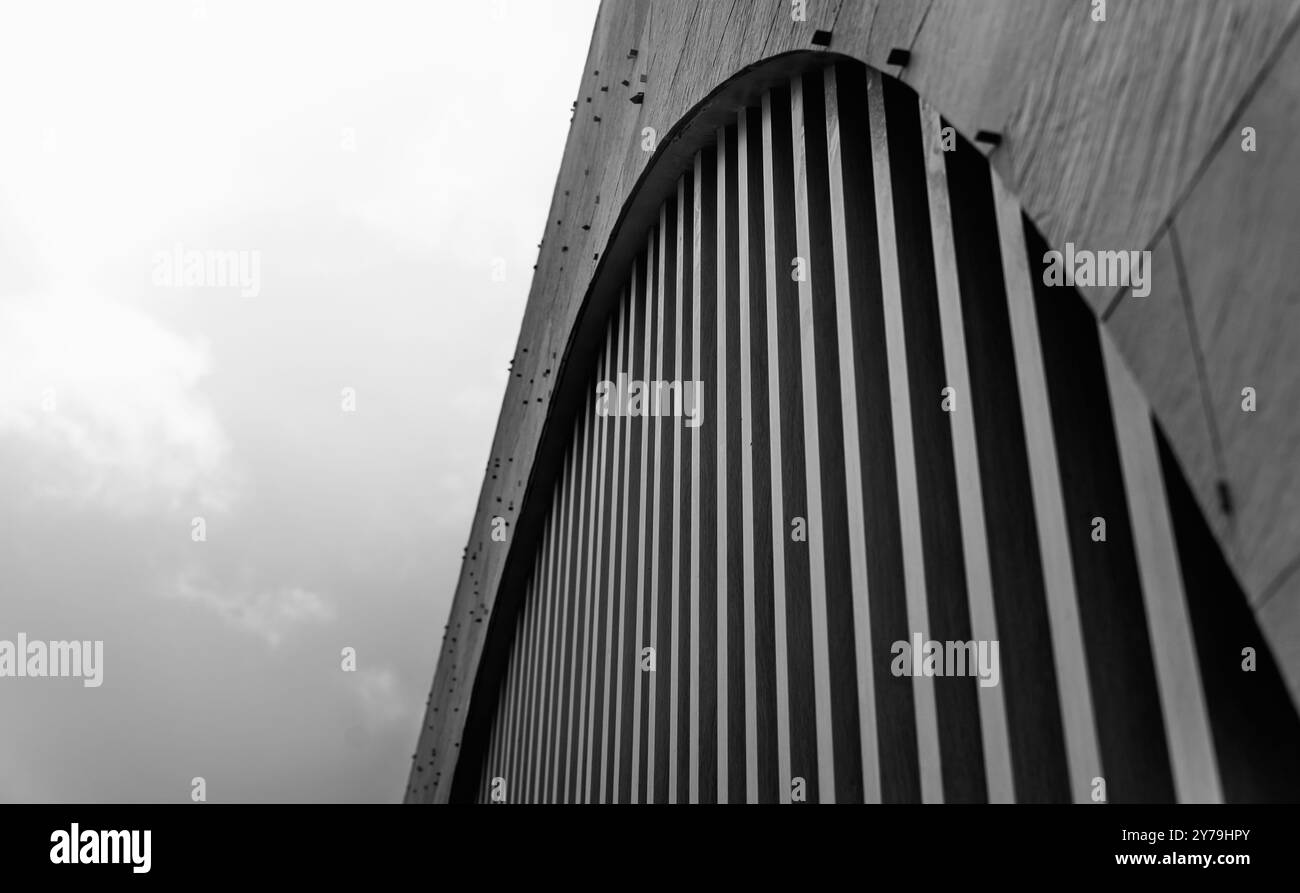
(380, 693)
(106, 399)
(376, 276)
(270, 614)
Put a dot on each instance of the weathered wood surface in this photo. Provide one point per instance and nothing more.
(1109, 129)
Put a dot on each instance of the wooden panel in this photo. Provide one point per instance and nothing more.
(1104, 124)
(1154, 335)
(1106, 127)
(1247, 311)
(910, 273)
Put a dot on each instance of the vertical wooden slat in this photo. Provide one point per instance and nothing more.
(489, 764)
(735, 473)
(777, 519)
(583, 595)
(705, 596)
(654, 755)
(547, 788)
(683, 437)
(622, 661)
(535, 789)
(530, 678)
(675, 692)
(519, 671)
(765, 506)
(600, 686)
(1127, 716)
(694, 594)
(747, 464)
(613, 578)
(527, 714)
(816, 521)
(595, 538)
(643, 703)
(979, 582)
(1049, 509)
(509, 723)
(927, 724)
(502, 731)
(520, 658)
(567, 589)
(856, 511)
(756, 485)
(721, 411)
(636, 581)
(581, 545)
(520, 793)
(1191, 748)
(536, 782)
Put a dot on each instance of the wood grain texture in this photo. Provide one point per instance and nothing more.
(1154, 335)
(1238, 234)
(1106, 127)
(1104, 123)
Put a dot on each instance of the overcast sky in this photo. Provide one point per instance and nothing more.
(375, 162)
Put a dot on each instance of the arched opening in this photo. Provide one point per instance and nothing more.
(900, 526)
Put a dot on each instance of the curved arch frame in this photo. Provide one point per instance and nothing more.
(673, 155)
